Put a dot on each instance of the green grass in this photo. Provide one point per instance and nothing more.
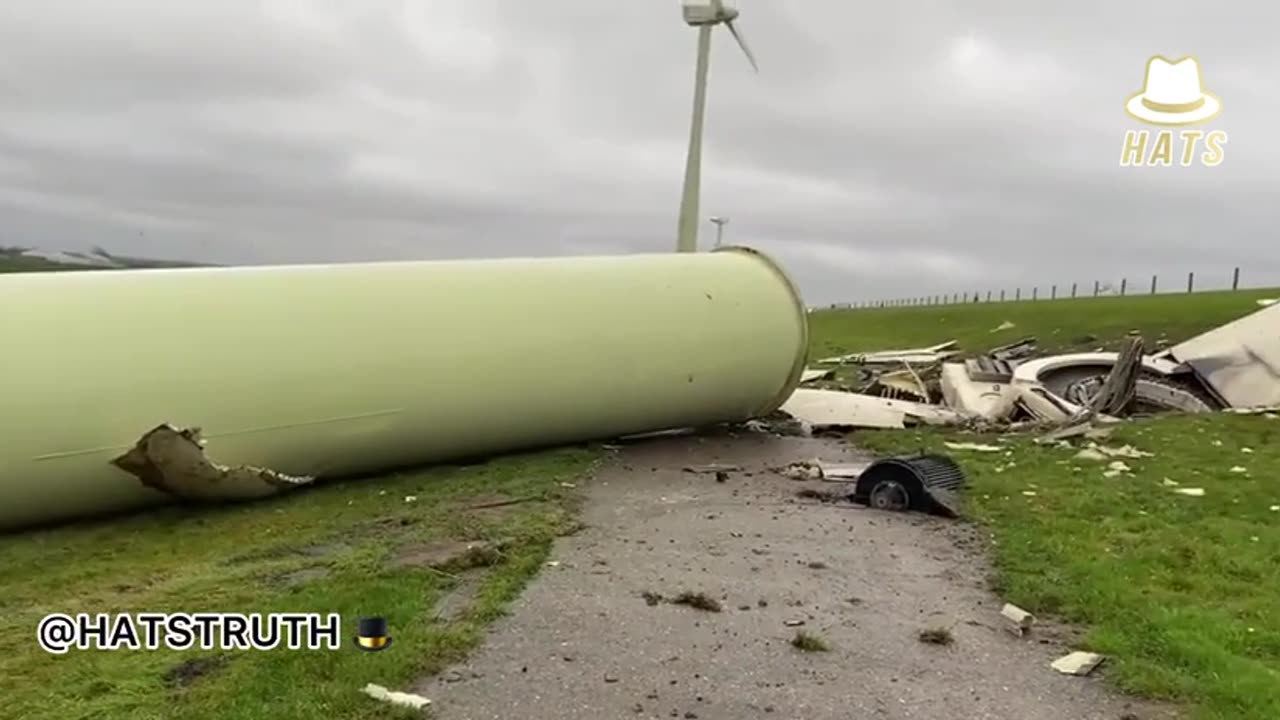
(326, 549)
(1182, 593)
(26, 263)
(1079, 325)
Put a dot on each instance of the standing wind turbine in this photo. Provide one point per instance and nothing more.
(703, 16)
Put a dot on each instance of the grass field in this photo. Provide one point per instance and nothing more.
(342, 547)
(1081, 324)
(1182, 593)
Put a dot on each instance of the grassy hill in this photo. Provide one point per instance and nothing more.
(16, 259)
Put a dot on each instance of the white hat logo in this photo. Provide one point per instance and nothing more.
(1173, 94)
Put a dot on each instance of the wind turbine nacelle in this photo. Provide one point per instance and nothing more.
(705, 12)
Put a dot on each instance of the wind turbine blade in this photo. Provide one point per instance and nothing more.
(743, 44)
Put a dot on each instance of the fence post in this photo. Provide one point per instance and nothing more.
(988, 296)
(1235, 279)
(1153, 284)
(1001, 296)
(1073, 290)
(1191, 281)
(1053, 292)
(1096, 286)
(1123, 283)
(1035, 292)
(1017, 293)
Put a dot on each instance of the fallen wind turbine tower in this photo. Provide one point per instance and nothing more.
(704, 16)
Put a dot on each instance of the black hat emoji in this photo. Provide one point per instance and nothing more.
(372, 634)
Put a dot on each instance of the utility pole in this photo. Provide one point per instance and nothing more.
(719, 222)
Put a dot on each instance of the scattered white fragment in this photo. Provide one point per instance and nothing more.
(976, 447)
(1124, 451)
(377, 692)
(841, 472)
(410, 498)
(1169, 483)
(812, 374)
(1217, 443)
(1077, 663)
(1021, 619)
(804, 470)
(1006, 325)
(1275, 508)
(1254, 538)
(1190, 492)
(553, 563)
(1029, 493)
(1238, 469)
(1090, 454)
(1246, 450)
(568, 485)
(1119, 466)
(1111, 473)
(1264, 302)
(382, 492)
(793, 623)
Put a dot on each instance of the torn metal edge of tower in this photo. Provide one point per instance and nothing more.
(116, 384)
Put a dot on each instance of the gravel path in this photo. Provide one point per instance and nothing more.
(582, 642)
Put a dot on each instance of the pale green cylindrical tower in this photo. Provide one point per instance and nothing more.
(334, 370)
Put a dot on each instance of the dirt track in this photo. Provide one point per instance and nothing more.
(583, 643)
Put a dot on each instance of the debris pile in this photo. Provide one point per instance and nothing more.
(1235, 367)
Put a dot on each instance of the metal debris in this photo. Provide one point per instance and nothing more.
(902, 382)
(988, 370)
(172, 460)
(1013, 351)
(1077, 663)
(925, 483)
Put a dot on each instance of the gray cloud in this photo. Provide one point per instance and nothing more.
(899, 149)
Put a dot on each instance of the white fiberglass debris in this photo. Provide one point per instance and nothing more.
(976, 447)
(1190, 492)
(417, 702)
(1077, 663)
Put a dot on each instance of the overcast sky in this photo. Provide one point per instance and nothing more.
(884, 149)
